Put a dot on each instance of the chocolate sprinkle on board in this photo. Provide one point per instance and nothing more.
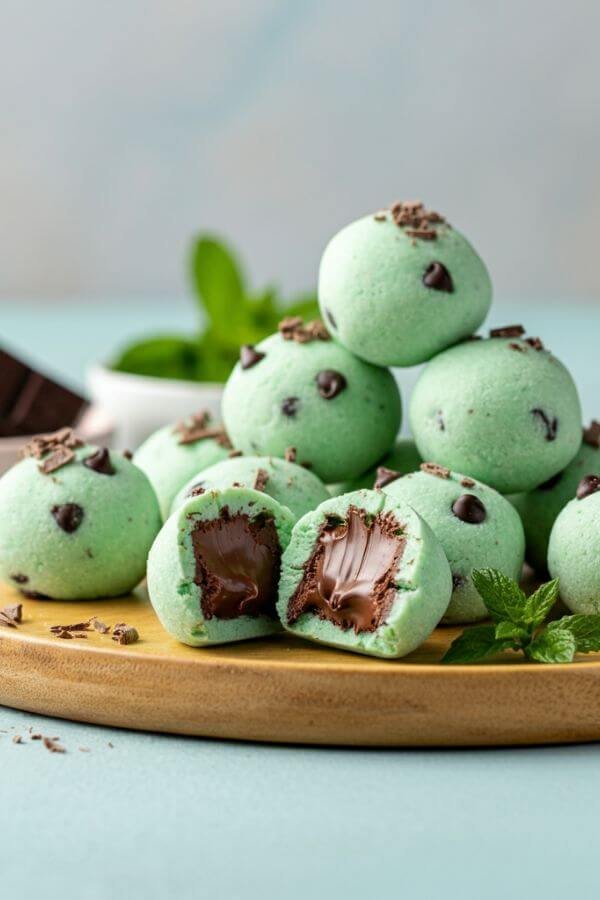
(290, 455)
(249, 356)
(290, 406)
(262, 476)
(330, 383)
(385, 476)
(588, 485)
(293, 329)
(551, 425)
(100, 462)
(68, 517)
(6, 621)
(78, 626)
(438, 278)
(591, 434)
(507, 331)
(435, 469)
(13, 612)
(52, 745)
(125, 634)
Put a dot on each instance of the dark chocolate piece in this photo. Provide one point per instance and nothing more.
(385, 476)
(125, 634)
(552, 482)
(290, 406)
(330, 383)
(14, 612)
(551, 425)
(69, 516)
(588, 485)
(260, 482)
(417, 221)
(507, 331)
(438, 278)
(99, 626)
(535, 342)
(293, 329)
(76, 626)
(19, 578)
(237, 565)
(469, 508)
(52, 745)
(467, 482)
(591, 434)
(100, 462)
(434, 469)
(349, 577)
(519, 347)
(249, 356)
(197, 428)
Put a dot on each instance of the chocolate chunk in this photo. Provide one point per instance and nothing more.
(591, 434)
(237, 565)
(469, 508)
(588, 485)
(19, 578)
(535, 342)
(69, 516)
(76, 626)
(434, 469)
(330, 318)
(249, 356)
(293, 329)
(196, 489)
(519, 347)
(384, 477)
(552, 482)
(197, 428)
(290, 455)
(100, 462)
(99, 626)
(52, 745)
(125, 634)
(417, 221)
(349, 578)
(438, 278)
(59, 458)
(467, 482)
(14, 612)
(330, 383)
(290, 406)
(507, 331)
(551, 425)
(260, 482)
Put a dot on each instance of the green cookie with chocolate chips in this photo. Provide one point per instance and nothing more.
(299, 389)
(293, 486)
(364, 573)
(574, 549)
(175, 453)
(539, 508)
(504, 411)
(214, 568)
(399, 286)
(76, 522)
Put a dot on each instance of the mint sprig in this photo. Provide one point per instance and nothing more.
(518, 624)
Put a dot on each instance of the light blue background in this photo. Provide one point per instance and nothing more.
(159, 816)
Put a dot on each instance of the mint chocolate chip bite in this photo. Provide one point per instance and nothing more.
(76, 521)
(213, 570)
(399, 286)
(308, 392)
(290, 484)
(503, 410)
(574, 549)
(364, 573)
(539, 508)
(476, 526)
(174, 454)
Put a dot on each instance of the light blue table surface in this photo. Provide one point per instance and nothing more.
(159, 816)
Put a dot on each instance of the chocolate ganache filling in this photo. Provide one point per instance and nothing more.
(349, 577)
(237, 565)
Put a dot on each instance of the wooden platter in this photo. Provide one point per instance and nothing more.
(285, 690)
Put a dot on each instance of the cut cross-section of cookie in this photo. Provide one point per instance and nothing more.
(364, 573)
(213, 570)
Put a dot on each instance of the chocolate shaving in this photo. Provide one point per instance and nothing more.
(434, 469)
(417, 221)
(290, 455)
(385, 476)
(535, 342)
(78, 626)
(125, 634)
(467, 482)
(262, 476)
(41, 444)
(100, 626)
(591, 434)
(507, 331)
(52, 745)
(57, 459)
(197, 428)
(14, 612)
(293, 329)
(233, 453)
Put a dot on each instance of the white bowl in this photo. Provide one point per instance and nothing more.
(94, 427)
(140, 404)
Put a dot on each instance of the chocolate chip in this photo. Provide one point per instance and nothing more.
(550, 424)
(249, 356)
(69, 516)
(330, 383)
(100, 462)
(469, 508)
(438, 278)
(385, 476)
(588, 485)
(290, 406)
(535, 342)
(467, 482)
(431, 468)
(20, 579)
(507, 331)
(330, 317)
(552, 482)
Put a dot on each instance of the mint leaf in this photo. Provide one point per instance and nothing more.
(161, 357)
(220, 286)
(506, 630)
(585, 630)
(474, 644)
(539, 604)
(556, 645)
(502, 596)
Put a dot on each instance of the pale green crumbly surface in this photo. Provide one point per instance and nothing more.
(293, 486)
(404, 458)
(539, 508)
(169, 464)
(176, 599)
(371, 281)
(497, 542)
(483, 393)
(341, 437)
(423, 581)
(105, 556)
(574, 554)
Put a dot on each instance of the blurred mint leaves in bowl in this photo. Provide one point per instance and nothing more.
(232, 316)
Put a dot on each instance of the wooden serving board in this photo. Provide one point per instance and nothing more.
(285, 690)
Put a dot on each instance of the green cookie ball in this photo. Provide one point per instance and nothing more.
(403, 458)
(397, 300)
(574, 554)
(499, 410)
(339, 413)
(291, 485)
(476, 526)
(78, 532)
